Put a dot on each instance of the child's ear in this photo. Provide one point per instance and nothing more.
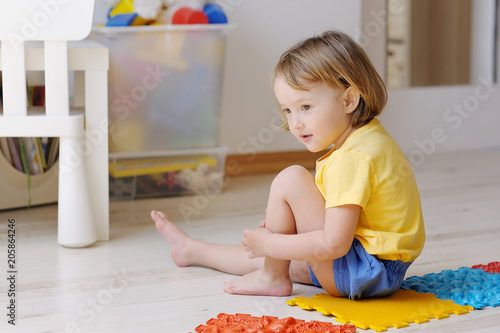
(351, 99)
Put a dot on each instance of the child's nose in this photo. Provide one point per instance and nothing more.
(297, 123)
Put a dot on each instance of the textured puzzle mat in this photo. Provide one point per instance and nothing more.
(492, 267)
(246, 323)
(465, 286)
(398, 310)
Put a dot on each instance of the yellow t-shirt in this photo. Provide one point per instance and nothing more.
(371, 171)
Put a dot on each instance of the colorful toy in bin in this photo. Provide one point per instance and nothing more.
(200, 179)
(164, 176)
(149, 9)
(121, 20)
(121, 188)
(145, 12)
(186, 15)
(215, 14)
(156, 185)
(132, 12)
(119, 7)
(149, 166)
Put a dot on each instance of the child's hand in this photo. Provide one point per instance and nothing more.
(254, 242)
(262, 223)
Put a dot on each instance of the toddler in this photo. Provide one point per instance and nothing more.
(356, 226)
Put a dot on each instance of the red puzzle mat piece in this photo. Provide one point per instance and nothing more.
(245, 323)
(492, 267)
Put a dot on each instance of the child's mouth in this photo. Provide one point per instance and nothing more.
(306, 138)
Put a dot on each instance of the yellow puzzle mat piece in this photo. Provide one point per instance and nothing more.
(398, 310)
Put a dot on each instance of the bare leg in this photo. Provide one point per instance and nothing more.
(295, 206)
(292, 190)
(299, 272)
(186, 251)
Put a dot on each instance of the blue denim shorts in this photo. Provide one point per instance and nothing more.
(361, 275)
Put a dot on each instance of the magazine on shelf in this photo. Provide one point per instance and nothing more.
(4, 146)
(32, 155)
(53, 152)
(15, 153)
(40, 153)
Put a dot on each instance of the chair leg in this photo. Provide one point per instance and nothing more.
(76, 224)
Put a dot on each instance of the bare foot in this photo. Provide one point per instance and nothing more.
(259, 283)
(179, 241)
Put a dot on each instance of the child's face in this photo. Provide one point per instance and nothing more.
(318, 117)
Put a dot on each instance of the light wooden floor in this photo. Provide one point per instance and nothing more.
(130, 284)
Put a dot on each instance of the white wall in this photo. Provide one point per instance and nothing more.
(265, 29)
(422, 120)
(426, 120)
(461, 118)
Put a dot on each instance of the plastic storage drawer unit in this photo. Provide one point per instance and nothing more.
(174, 173)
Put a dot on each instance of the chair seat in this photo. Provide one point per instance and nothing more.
(36, 124)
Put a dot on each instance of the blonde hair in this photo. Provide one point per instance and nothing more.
(337, 60)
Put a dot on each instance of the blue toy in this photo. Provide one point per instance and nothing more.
(215, 14)
(121, 20)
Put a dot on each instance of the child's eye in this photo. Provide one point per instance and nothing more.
(287, 111)
(306, 107)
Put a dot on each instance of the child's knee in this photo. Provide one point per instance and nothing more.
(289, 178)
(294, 173)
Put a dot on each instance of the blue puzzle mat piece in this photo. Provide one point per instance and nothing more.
(464, 286)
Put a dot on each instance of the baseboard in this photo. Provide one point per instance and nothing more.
(237, 165)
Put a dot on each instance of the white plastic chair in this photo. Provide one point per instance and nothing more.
(83, 206)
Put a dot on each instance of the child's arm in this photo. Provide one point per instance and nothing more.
(332, 242)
